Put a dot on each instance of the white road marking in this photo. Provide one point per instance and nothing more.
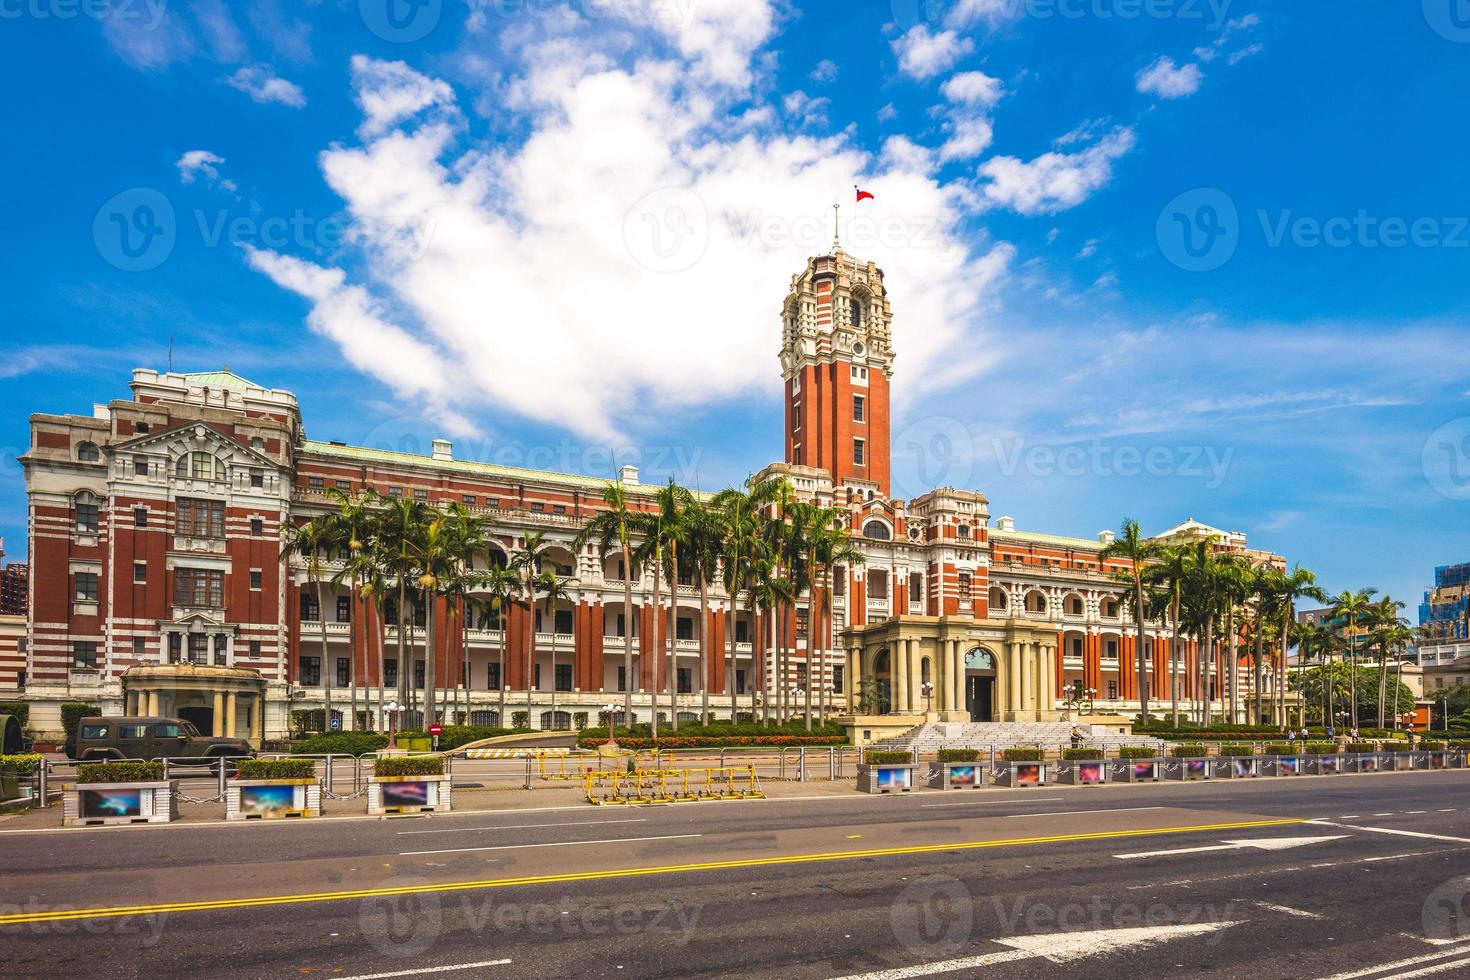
(427, 969)
(1390, 830)
(1445, 953)
(1262, 844)
(1069, 813)
(521, 826)
(1425, 971)
(1288, 910)
(1057, 947)
(1287, 869)
(563, 843)
(1029, 799)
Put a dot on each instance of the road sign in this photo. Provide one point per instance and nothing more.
(436, 729)
(336, 724)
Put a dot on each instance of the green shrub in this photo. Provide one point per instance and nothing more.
(1321, 748)
(1362, 747)
(277, 769)
(959, 755)
(21, 710)
(1189, 752)
(579, 720)
(409, 765)
(1137, 752)
(1431, 745)
(1280, 748)
(20, 765)
(1019, 754)
(520, 719)
(120, 772)
(341, 743)
(886, 757)
(1459, 745)
(1081, 753)
(1237, 748)
(72, 713)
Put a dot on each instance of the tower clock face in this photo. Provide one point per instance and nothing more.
(857, 348)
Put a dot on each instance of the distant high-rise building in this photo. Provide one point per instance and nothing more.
(1444, 619)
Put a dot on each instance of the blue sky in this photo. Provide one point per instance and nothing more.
(1160, 259)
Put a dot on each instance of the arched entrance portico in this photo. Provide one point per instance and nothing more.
(980, 684)
(222, 701)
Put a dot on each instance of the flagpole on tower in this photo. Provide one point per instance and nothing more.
(836, 217)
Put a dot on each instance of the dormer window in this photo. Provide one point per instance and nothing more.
(88, 452)
(199, 466)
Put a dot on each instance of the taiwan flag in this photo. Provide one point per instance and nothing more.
(862, 195)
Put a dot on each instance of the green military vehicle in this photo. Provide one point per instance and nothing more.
(131, 737)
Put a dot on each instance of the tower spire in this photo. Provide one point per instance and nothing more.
(836, 217)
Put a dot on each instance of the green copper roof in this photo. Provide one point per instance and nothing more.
(493, 470)
(1089, 544)
(223, 378)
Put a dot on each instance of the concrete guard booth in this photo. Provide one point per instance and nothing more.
(982, 670)
(227, 702)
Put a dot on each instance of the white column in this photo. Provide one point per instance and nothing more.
(957, 662)
(229, 715)
(898, 675)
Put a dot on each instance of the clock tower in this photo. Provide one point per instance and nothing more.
(836, 363)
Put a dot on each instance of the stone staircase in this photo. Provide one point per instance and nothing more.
(930, 738)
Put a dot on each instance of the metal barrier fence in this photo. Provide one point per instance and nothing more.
(672, 785)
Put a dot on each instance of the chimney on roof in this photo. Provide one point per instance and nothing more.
(627, 473)
(1005, 523)
(1107, 537)
(443, 449)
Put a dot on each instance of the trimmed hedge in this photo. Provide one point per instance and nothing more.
(453, 736)
(1082, 754)
(20, 709)
(886, 757)
(1431, 745)
(1361, 747)
(1023, 755)
(959, 755)
(1237, 749)
(409, 765)
(1137, 752)
(20, 765)
(1280, 748)
(341, 743)
(120, 772)
(276, 769)
(1189, 751)
(1321, 748)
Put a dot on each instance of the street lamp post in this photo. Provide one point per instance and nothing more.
(927, 689)
(611, 745)
(391, 709)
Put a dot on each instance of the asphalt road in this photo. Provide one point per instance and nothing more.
(1362, 876)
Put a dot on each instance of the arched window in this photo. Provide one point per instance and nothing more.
(199, 466)
(88, 452)
(876, 530)
(964, 531)
(998, 599)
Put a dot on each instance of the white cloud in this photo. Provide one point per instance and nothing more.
(973, 88)
(967, 13)
(262, 85)
(805, 110)
(1054, 181)
(1088, 249)
(969, 136)
(1236, 57)
(389, 92)
(923, 54)
(196, 162)
(1210, 52)
(625, 255)
(1168, 81)
(825, 72)
(888, 113)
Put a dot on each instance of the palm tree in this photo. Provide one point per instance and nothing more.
(767, 590)
(1202, 601)
(1351, 608)
(703, 544)
(661, 532)
(1292, 586)
(470, 533)
(400, 528)
(553, 589)
(784, 541)
(439, 555)
(614, 527)
(307, 542)
(1235, 589)
(1385, 623)
(527, 563)
(809, 524)
(499, 584)
(1138, 552)
(742, 518)
(834, 554)
(353, 522)
(1170, 572)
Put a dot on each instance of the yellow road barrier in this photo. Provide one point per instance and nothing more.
(644, 786)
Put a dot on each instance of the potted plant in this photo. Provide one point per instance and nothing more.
(1434, 753)
(1322, 759)
(1021, 767)
(1136, 764)
(886, 771)
(1363, 757)
(1082, 767)
(1190, 762)
(958, 769)
(120, 792)
(266, 789)
(1284, 760)
(1235, 761)
(408, 784)
(14, 769)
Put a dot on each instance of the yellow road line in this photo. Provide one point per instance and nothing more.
(59, 915)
